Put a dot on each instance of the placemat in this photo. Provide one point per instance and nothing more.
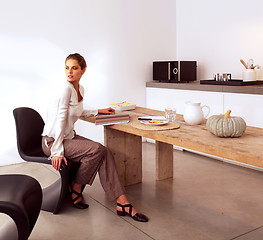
(168, 126)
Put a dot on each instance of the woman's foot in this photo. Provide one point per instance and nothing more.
(125, 208)
(76, 196)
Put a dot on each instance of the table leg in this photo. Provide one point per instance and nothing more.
(127, 151)
(164, 160)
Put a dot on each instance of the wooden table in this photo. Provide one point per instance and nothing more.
(125, 142)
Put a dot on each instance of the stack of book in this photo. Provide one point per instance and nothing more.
(112, 119)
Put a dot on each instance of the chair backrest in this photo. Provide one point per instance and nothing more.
(29, 127)
(20, 199)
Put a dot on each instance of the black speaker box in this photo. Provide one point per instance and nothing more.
(174, 71)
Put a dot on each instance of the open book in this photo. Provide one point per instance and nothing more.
(112, 119)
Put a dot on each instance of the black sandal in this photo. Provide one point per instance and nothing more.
(79, 205)
(137, 217)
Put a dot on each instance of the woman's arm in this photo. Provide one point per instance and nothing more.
(88, 113)
(106, 111)
(57, 161)
(57, 149)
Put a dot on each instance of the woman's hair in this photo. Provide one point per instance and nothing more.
(79, 58)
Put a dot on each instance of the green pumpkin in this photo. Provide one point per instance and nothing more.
(226, 126)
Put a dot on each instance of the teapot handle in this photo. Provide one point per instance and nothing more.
(208, 110)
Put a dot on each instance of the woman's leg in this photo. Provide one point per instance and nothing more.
(109, 177)
(112, 186)
(94, 158)
(82, 150)
(88, 153)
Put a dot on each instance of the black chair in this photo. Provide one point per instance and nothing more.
(20, 199)
(29, 127)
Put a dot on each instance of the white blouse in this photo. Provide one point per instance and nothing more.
(62, 114)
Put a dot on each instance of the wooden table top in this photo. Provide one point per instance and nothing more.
(246, 149)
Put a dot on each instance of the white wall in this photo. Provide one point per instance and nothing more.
(118, 38)
(218, 33)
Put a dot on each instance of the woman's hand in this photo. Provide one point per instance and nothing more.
(106, 111)
(56, 162)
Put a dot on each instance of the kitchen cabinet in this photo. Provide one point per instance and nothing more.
(248, 106)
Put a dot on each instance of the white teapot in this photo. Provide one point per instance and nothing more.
(194, 114)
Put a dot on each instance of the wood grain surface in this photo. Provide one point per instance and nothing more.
(246, 149)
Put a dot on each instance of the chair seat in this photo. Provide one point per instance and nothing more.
(29, 127)
(20, 198)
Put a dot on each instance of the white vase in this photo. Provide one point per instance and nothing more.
(249, 75)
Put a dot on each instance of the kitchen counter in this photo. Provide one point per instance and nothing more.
(196, 86)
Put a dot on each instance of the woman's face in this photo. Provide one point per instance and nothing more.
(73, 70)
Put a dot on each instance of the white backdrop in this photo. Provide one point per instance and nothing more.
(218, 33)
(119, 39)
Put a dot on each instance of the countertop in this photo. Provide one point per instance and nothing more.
(196, 86)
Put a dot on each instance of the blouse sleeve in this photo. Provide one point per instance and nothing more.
(57, 148)
(88, 113)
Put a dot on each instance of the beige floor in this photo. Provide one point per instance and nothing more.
(207, 199)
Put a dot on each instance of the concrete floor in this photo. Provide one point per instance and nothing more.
(206, 199)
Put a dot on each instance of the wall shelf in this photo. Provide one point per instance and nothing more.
(196, 86)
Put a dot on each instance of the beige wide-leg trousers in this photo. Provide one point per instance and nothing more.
(94, 158)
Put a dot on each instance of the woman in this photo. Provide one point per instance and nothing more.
(61, 143)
